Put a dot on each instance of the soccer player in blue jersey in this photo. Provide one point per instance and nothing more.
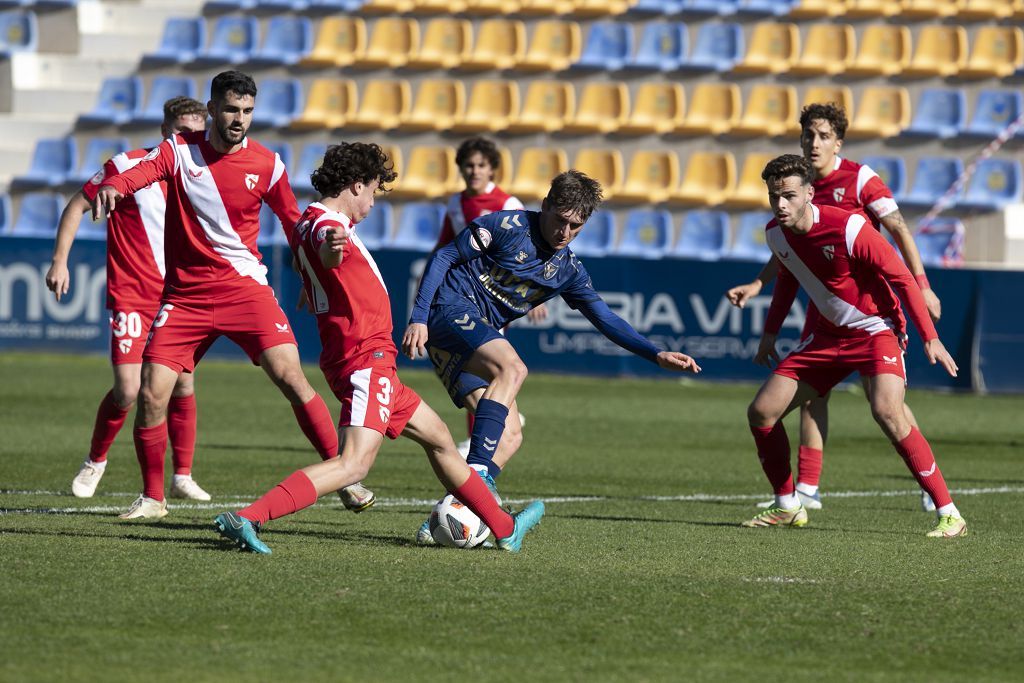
(495, 271)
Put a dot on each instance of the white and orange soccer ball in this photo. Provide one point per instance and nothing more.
(454, 525)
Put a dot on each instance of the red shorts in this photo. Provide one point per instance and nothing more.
(373, 397)
(823, 361)
(185, 329)
(129, 328)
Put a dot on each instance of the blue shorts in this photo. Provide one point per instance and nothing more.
(454, 333)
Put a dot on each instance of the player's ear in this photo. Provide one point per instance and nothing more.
(839, 144)
(211, 109)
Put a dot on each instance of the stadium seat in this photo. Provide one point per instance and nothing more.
(883, 112)
(771, 8)
(97, 153)
(815, 9)
(555, 46)
(609, 46)
(647, 234)
(489, 7)
(722, 8)
(703, 235)
(929, 9)
(182, 39)
(773, 49)
(718, 47)
(771, 111)
(232, 41)
(19, 32)
(505, 167)
(116, 103)
(419, 226)
(940, 113)
(499, 44)
(994, 111)
(271, 231)
(714, 109)
(708, 181)
(655, 7)
(652, 176)
(994, 184)
(828, 51)
(439, 105)
(339, 42)
(162, 89)
(536, 167)
(280, 102)
(545, 7)
(603, 107)
(438, 6)
(392, 42)
(892, 171)
(749, 243)
(940, 242)
(870, 9)
(383, 106)
(286, 41)
(341, 6)
(446, 44)
(840, 95)
(597, 238)
(310, 159)
(54, 161)
(283, 150)
(750, 191)
(932, 177)
(940, 51)
(331, 102)
(429, 174)
(493, 105)
(387, 6)
(548, 105)
(984, 10)
(659, 108)
(884, 51)
(599, 8)
(38, 214)
(394, 155)
(663, 47)
(603, 165)
(997, 52)
(375, 230)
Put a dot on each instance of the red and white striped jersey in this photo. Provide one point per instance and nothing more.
(855, 187)
(464, 208)
(135, 237)
(213, 211)
(351, 304)
(847, 272)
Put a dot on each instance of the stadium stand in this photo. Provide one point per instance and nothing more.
(161, 89)
(774, 47)
(995, 184)
(940, 50)
(749, 243)
(598, 238)
(116, 103)
(339, 42)
(53, 162)
(883, 112)
(994, 110)
(547, 107)
(662, 47)
(446, 44)
(419, 226)
(940, 113)
(940, 242)
(776, 8)
(749, 192)
(38, 214)
(499, 44)
(659, 108)
(391, 43)
(603, 165)
(384, 104)
(997, 52)
(703, 235)
(828, 50)
(330, 104)
(97, 152)
(603, 108)
(556, 45)
(647, 234)
(281, 101)
(286, 41)
(771, 111)
(718, 47)
(375, 230)
(439, 105)
(714, 109)
(932, 177)
(429, 174)
(182, 39)
(651, 178)
(885, 50)
(708, 180)
(609, 47)
(493, 105)
(232, 41)
(892, 170)
(536, 167)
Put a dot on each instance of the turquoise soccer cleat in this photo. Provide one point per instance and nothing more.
(240, 530)
(525, 520)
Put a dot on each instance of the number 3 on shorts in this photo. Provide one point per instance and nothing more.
(384, 398)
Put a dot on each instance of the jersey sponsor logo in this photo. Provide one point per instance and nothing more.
(514, 218)
(98, 178)
(829, 251)
(482, 239)
(838, 194)
(521, 257)
(125, 345)
(251, 179)
(281, 327)
(153, 154)
(550, 269)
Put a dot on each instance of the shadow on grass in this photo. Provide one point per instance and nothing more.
(212, 543)
(252, 447)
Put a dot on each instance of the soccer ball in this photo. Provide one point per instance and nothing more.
(454, 525)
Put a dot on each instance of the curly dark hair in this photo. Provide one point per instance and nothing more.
(234, 81)
(572, 192)
(831, 112)
(352, 162)
(182, 106)
(785, 166)
(478, 144)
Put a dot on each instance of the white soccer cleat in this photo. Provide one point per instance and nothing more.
(463, 448)
(927, 504)
(146, 508)
(183, 486)
(809, 502)
(357, 497)
(88, 478)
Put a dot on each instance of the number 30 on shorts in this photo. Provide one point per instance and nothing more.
(127, 324)
(384, 398)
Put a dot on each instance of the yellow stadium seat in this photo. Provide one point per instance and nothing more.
(883, 112)
(750, 192)
(439, 105)
(773, 49)
(603, 107)
(771, 110)
(860, 9)
(929, 9)
(823, 94)
(446, 43)
(604, 166)
(884, 51)
(536, 168)
(438, 6)
(982, 10)
(386, 7)
(540, 7)
(555, 45)
(940, 51)
(709, 179)
(500, 44)
(394, 155)
(828, 51)
(430, 173)
(384, 105)
(548, 105)
(653, 176)
(339, 42)
(713, 110)
(490, 7)
(998, 51)
(659, 108)
(1018, 9)
(598, 8)
(493, 105)
(330, 104)
(812, 9)
(504, 170)
(392, 41)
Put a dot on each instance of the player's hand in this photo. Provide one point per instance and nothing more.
(336, 239)
(414, 342)
(937, 353)
(58, 278)
(739, 295)
(766, 353)
(105, 202)
(679, 362)
(933, 304)
(537, 313)
(303, 302)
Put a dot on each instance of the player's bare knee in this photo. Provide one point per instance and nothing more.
(758, 415)
(889, 416)
(184, 387)
(126, 393)
(515, 372)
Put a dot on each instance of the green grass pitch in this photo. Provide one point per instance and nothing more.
(638, 572)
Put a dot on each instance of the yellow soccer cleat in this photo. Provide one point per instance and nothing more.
(775, 516)
(949, 526)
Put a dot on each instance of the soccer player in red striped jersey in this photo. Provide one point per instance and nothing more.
(350, 300)
(854, 187)
(135, 279)
(849, 272)
(215, 283)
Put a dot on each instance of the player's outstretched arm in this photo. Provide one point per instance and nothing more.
(904, 238)
(937, 353)
(414, 341)
(58, 277)
(678, 362)
(741, 294)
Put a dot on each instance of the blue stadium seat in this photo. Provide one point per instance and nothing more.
(761, 8)
(233, 41)
(647, 234)
(331, 6)
(932, 177)
(704, 235)
(310, 159)
(285, 151)
(892, 171)
(656, 7)
(286, 41)
(38, 214)
(162, 89)
(598, 237)
(419, 226)
(375, 229)
(720, 7)
(994, 111)
(182, 39)
(940, 113)
(89, 229)
(280, 100)
(718, 47)
(116, 103)
(663, 47)
(941, 241)
(19, 32)
(749, 244)
(6, 219)
(609, 46)
(270, 228)
(249, 5)
(97, 153)
(53, 163)
(994, 184)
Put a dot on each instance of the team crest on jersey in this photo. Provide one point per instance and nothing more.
(829, 251)
(483, 239)
(838, 194)
(251, 179)
(521, 257)
(125, 345)
(98, 178)
(549, 270)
